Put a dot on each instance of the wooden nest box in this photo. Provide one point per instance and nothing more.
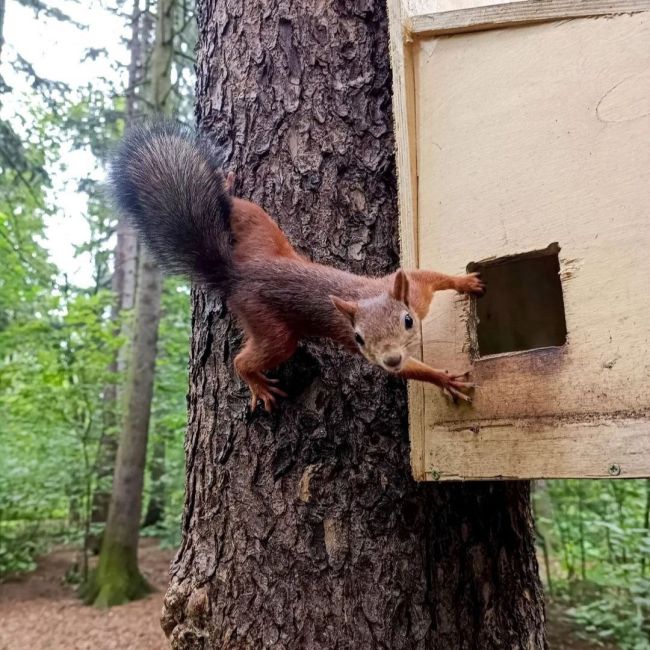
(523, 148)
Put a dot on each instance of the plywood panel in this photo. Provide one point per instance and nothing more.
(435, 17)
(527, 136)
(403, 68)
(417, 8)
(540, 448)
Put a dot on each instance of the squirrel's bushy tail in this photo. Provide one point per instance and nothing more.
(168, 182)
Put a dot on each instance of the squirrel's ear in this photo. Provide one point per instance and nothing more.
(400, 289)
(348, 309)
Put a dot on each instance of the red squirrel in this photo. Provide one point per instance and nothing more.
(168, 181)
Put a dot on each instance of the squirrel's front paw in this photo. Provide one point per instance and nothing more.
(471, 283)
(454, 385)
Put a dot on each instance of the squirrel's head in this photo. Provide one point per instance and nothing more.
(383, 326)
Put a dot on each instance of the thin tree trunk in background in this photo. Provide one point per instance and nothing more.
(2, 21)
(646, 525)
(156, 505)
(123, 286)
(161, 90)
(645, 609)
(118, 578)
(161, 59)
(543, 526)
(304, 529)
(581, 531)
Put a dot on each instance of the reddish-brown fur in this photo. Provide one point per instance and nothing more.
(168, 181)
(282, 297)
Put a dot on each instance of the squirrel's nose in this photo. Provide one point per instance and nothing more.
(392, 360)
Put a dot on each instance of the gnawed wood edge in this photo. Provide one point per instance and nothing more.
(406, 168)
(517, 13)
(539, 448)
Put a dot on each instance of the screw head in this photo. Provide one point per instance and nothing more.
(614, 469)
(435, 475)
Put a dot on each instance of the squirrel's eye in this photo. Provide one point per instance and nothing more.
(408, 321)
(359, 339)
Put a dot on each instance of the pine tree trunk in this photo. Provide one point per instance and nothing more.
(304, 530)
(156, 505)
(161, 88)
(117, 578)
(2, 20)
(123, 287)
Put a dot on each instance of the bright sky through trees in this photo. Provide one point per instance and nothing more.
(55, 49)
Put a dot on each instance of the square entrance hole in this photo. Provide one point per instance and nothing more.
(523, 307)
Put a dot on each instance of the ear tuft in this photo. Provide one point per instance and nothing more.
(347, 308)
(400, 289)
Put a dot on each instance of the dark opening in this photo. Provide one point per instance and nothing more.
(523, 307)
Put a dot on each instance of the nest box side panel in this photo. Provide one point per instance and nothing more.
(528, 136)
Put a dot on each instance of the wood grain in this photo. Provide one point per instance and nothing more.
(405, 143)
(464, 18)
(413, 8)
(559, 117)
(524, 137)
(598, 448)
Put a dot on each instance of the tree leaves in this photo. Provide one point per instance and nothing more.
(599, 541)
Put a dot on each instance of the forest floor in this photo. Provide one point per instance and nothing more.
(40, 611)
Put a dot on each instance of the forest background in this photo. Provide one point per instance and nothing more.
(73, 76)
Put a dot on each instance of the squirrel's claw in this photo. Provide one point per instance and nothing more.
(472, 283)
(266, 391)
(454, 385)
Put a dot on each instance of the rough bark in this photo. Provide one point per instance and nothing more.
(304, 529)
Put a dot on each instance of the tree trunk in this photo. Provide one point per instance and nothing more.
(156, 506)
(123, 286)
(161, 89)
(118, 578)
(304, 529)
(2, 20)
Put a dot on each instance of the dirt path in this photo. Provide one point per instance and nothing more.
(41, 612)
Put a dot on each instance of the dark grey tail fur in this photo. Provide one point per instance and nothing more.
(168, 182)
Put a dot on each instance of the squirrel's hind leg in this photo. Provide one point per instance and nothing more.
(259, 355)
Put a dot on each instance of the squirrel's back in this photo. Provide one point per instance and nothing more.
(168, 182)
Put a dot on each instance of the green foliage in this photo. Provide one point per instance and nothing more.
(52, 370)
(169, 408)
(58, 341)
(597, 536)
